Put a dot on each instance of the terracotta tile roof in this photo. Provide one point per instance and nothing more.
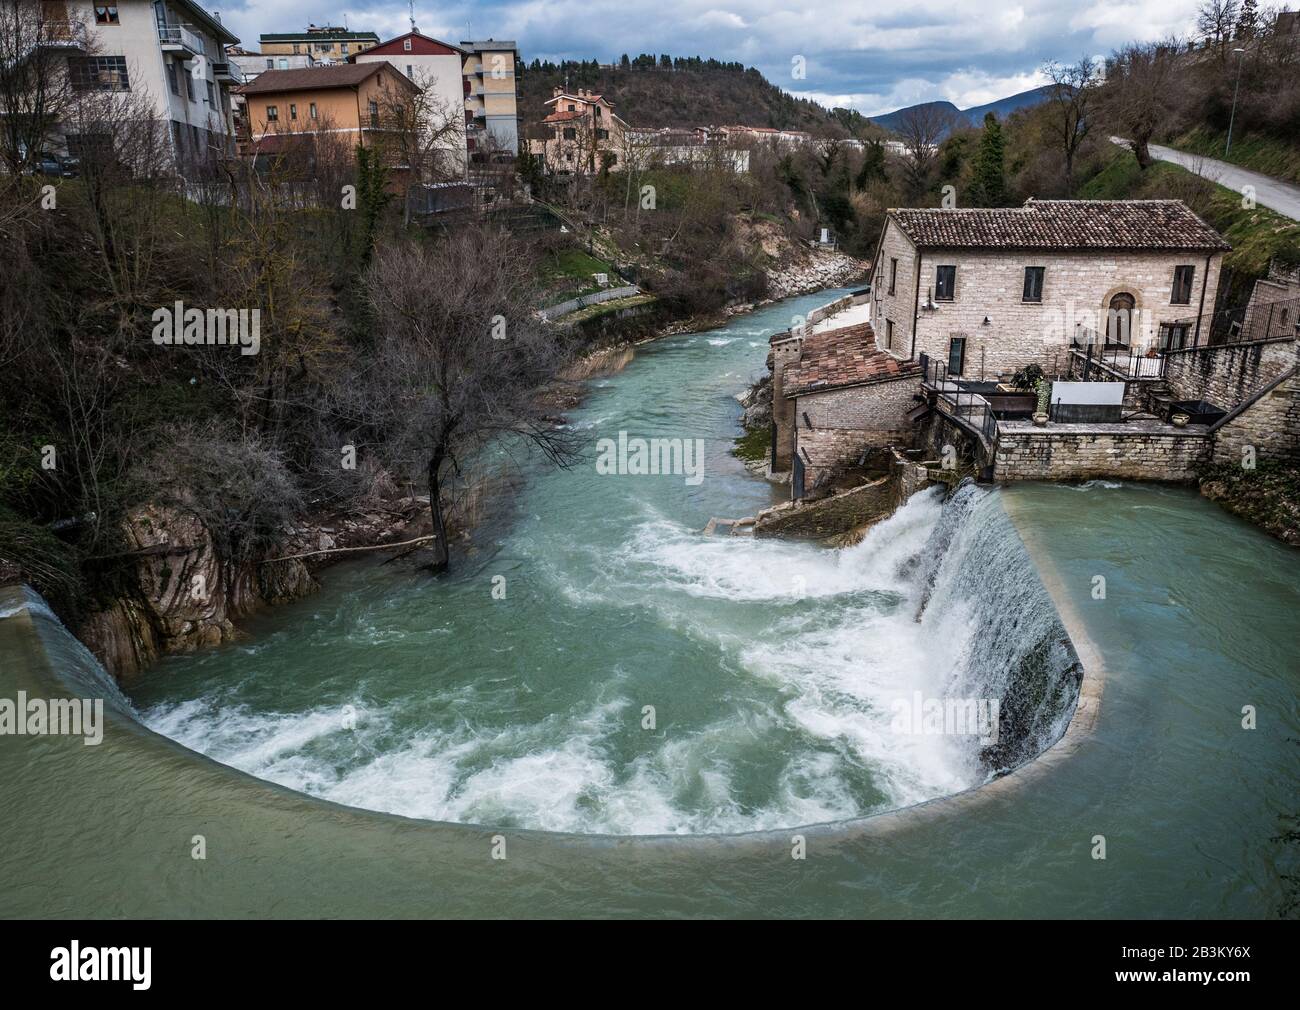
(342, 75)
(1062, 225)
(848, 356)
(562, 117)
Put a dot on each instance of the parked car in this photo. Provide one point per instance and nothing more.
(53, 165)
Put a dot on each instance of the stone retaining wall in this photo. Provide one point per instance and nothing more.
(1228, 374)
(1133, 451)
(1270, 426)
(835, 427)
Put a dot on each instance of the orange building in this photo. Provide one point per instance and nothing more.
(346, 100)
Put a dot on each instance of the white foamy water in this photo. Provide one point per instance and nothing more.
(834, 648)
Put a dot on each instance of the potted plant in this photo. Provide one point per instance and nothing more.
(1027, 378)
(1044, 400)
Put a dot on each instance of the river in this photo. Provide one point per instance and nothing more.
(675, 706)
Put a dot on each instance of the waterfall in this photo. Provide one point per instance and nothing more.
(994, 628)
(73, 666)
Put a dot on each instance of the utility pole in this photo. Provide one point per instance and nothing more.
(1233, 115)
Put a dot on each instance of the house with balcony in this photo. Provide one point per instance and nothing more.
(586, 134)
(172, 51)
(491, 93)
(323, 43)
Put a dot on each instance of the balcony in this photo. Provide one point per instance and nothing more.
(178, 38)
(64, 35)
(228, 72)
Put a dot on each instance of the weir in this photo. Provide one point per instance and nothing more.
(773, 669)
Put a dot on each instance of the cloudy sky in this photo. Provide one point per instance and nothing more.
(872, 59)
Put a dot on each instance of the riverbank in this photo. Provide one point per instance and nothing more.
(1268, 496)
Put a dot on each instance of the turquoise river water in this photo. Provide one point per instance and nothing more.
(640, 717)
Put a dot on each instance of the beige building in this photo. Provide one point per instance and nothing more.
(991, 290)
(491, 96)
(324, 44)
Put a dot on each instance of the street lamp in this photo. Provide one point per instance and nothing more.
(1233, 115)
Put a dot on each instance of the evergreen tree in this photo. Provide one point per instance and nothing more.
(873, 164)
(373, 196)
(989, 186)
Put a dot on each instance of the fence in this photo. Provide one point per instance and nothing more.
(967, 407)
(1117, 362)
(573, 304)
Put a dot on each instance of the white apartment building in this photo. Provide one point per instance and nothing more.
(172, 51)
(436, 68)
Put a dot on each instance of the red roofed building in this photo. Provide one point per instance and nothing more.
(835, 395)
(436, 69)
(586, 134)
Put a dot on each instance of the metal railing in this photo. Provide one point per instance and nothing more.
(967, 407)
(64, 34)
(180, 35)
(1117, 362)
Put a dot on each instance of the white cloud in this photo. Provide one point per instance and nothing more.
(870, 58)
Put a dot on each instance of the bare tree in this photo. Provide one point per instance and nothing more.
(34, 86)
(1215, 21)
(422, 133)
(922, 127)
(1070, 96)
(460, 356)
(1136, 98)
(127, 166)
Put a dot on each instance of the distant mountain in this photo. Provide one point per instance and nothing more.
(1002, 108)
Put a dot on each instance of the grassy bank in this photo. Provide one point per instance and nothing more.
(1257, 235)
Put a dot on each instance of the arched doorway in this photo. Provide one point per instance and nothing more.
(1119, 320)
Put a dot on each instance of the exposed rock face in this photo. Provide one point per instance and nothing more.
(821, 270)
(757, 401)
(182, 596)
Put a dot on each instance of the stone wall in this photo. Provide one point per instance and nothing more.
(1077, 288)
(831, 516)
(1270, 425)
(1132, 451)
(1228, 374)
(896, 305)
(784, 351)
(833, 428)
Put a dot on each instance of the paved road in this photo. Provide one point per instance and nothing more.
(1269, 192)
